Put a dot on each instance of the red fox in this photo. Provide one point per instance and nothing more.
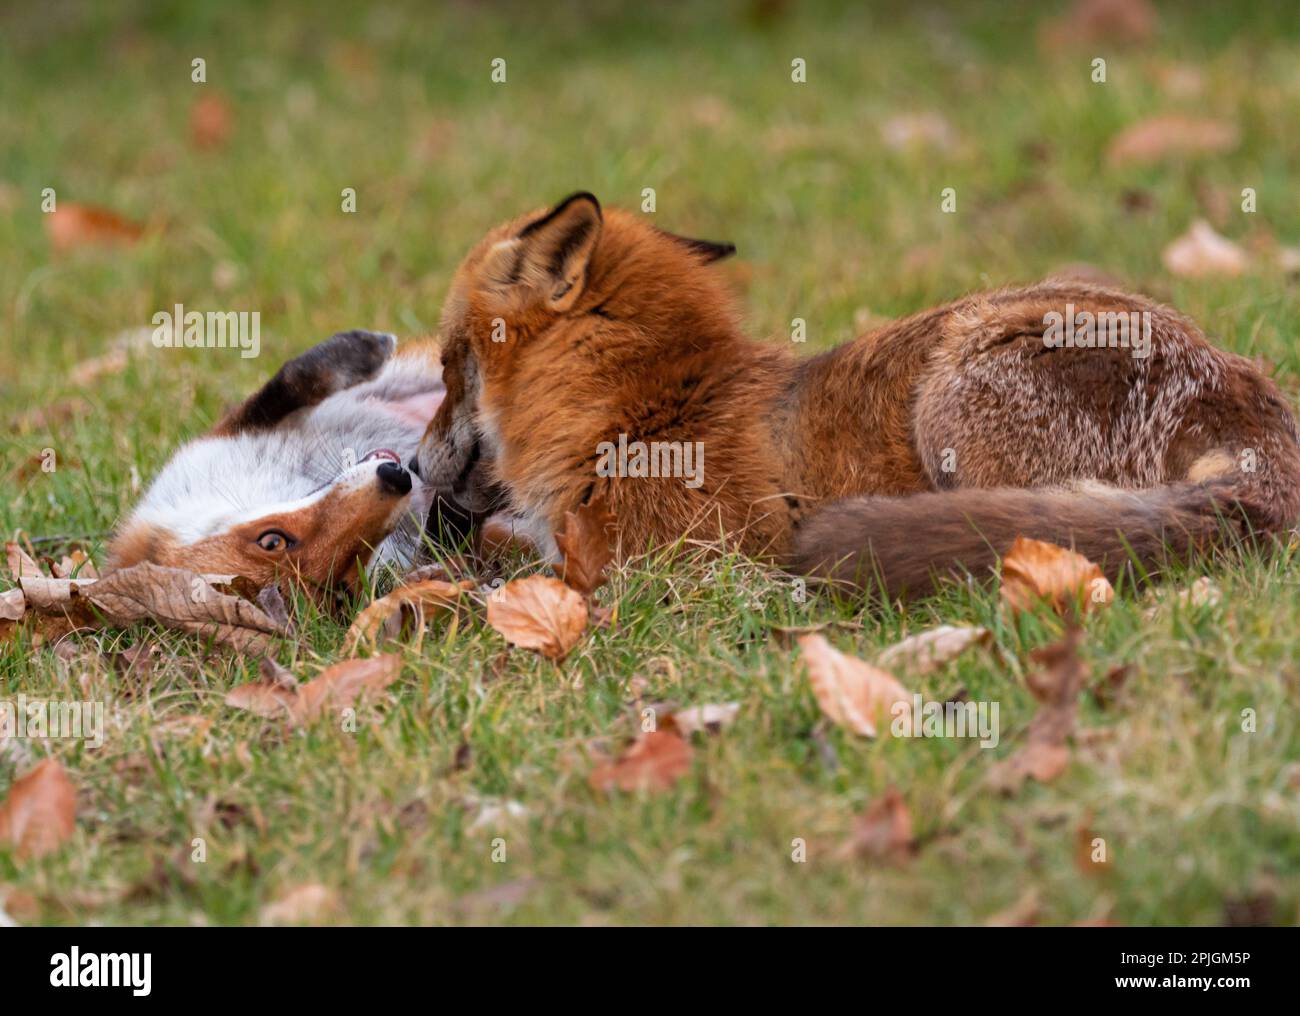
(572, 334)
(305, 479)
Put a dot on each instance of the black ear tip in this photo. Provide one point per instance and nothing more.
(581, 196)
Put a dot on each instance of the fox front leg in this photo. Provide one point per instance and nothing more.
(341, 361)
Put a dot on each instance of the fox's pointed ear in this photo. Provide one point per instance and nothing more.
(549, 256)
(708, 250)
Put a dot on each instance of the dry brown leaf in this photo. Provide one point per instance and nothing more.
(1034, 572)
(336, 687)
(20, 563)
(584, 542)
(709, 718)
(40, 812)
(114, 360)
(12, 605)
(210, 120)
(1021, 914)
(1094, 21)
(884, 832)
(46, 416)
(930, 650)
(654, 761)
(76, 563)
(385, 616)
(307, 904)
(538, 613)
(851, 692)
(182, 599)
(1202, 252)
(1162, 137)
(73, 225)
(343, 683)
(1085, 852)
(501, 534)
(905, 131)
(1056, 685)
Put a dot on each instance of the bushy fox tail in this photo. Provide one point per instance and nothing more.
(904, 545)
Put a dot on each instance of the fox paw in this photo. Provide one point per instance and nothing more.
(341, 361)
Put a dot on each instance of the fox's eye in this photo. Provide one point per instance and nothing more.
(273, 539)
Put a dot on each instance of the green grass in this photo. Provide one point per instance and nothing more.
(1200, 818)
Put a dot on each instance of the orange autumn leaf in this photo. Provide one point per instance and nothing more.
(1045, 754)
(1163, 137)
(851, 692)
(884, 831)
(1034, 572)
(1202, 252)
(210, 121)
(584, 542)
(20, 563)
(40, 812)
(654, 761)
(384, 617)
(72, 225)
(538, 613)
(338, 686)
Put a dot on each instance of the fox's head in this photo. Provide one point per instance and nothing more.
(305, 481)
(592, 277)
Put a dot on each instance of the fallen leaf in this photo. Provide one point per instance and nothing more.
(1056, 685)
(1180, 80)
(73, 225)
(12, 605)
(1163, 137)
(918, 130)
(384, 617)
(1204, 592)
(851, 692)
(1094, 21)
(929, 650)
(538, 613)
(709, 718)
(20, 564)
(40, 812)
(344, 683)
(181, 599)
(654, 761)
(493, 813)
(584, 542)
(76, 564)
(1021, 914)
(1085, 850)
(307, 904)
(1202, 252)
(114, 361)
(884, 832)
(337, 686)
(499, 535)
(1034, 572)
(210, 120)
(276, 694)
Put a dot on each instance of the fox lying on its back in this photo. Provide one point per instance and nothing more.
(918, 450)
(306, 479)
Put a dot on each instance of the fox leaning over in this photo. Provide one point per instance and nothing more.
(921, 449)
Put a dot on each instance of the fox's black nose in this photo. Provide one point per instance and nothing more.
(393, 478)
(414, 465)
